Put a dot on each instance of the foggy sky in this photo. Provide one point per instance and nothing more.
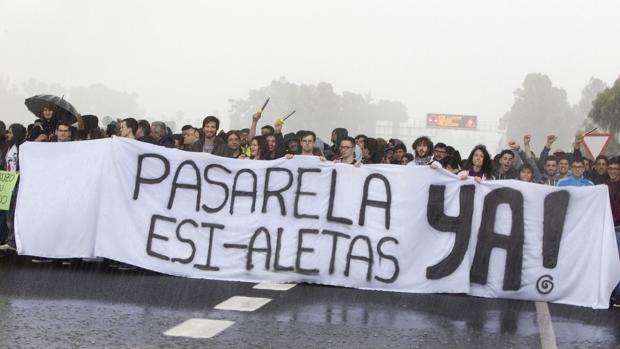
(461, 57)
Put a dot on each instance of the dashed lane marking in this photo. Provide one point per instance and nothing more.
(199, 328)
(240, 303)
(274, 286)
(545, 327)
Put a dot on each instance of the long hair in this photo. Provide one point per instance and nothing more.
(19, 135)
(487, 162)
(423, 140)
(236, 133)
(263, 149)
(3, 143)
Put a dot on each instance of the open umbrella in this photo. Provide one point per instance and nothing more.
(63, 110)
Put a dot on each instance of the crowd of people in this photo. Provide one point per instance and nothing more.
(517, 161)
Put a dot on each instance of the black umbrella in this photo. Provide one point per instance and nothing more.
(63, 110)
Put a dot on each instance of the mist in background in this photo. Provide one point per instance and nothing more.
(181, 61)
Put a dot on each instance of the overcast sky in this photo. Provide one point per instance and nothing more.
(462, 57)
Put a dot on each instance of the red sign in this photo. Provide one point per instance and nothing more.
(452, 121)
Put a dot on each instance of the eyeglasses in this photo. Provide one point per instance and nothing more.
(344, 147)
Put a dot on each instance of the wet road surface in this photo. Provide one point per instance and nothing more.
(90, 305)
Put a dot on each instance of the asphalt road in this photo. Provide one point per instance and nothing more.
(90, 305)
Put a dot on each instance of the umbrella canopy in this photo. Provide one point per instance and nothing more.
(63, 110)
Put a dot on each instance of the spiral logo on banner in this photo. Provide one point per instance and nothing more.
(544, 284)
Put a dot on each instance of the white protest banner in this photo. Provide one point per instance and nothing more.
(382, 227)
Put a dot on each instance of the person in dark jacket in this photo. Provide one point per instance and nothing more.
(45, 127)
(337, 135)
(613, 185)
(90, 128)
(505, 170)
(143, 134)
(598, 175)
(112, 129)
(129, 127)
(233, 144)
(292, 144)
(550, 175)
(159, 133)
(209, 142)
(371, 154)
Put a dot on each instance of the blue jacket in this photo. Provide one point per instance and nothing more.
(571, 181)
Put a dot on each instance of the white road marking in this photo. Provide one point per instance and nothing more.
(240, 303)
(274, 286)
(545, 327)
(199, 328)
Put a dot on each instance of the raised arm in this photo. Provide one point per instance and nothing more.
(280, 146)
(544, 153)
(577, 147)
(255, 119)
(529, 158)
(516, 159)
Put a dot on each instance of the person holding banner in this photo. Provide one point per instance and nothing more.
(15, 137)
(452, 164)
(613, 185)
(478, 165)
(308, 139)
(423, 152)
